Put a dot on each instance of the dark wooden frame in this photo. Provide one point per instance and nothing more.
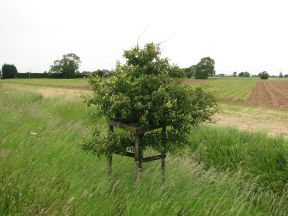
(138, 133)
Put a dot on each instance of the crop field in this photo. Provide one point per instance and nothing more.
(270, 93)
(231, 167)
(227, 89)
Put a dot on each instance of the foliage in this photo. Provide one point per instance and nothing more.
(281, 75)
(244, 74)
(141, 93)
(205, 68)
(9, 71)
(190, 71)
(176, 72)
(67, 66)
(263, 75)
(234, 74)
(102, 73)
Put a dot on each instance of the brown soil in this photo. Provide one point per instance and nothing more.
(273, 94)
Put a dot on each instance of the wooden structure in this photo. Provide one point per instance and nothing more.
(138, 133)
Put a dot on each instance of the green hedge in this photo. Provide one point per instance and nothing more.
(46, 75)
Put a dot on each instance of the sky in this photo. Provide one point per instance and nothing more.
(240, 35)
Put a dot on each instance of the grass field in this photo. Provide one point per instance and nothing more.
(228, 89)
(44, 171)
(62, 83)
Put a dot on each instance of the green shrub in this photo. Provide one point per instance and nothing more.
(244, 74)
(264, 75)
(141, 93)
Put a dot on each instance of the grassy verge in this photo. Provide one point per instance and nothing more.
(256, 154)
(44, 171)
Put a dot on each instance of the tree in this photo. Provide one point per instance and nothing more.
(281, 75)
(234, 74)
(141, 93)
(67, 66)
(176, 72)
(190, 71)
(205, 68)
(9, 71)
(244, 74)
(264, 75)
(102, 73)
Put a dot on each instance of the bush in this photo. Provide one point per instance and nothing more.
(141, 93)
(244, 74)
(264, 75)
(176, 72)
(9, 71)
(47, 75)
(190, 72)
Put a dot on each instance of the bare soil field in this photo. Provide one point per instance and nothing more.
(273, 94)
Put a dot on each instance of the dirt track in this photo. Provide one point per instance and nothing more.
(272, 94)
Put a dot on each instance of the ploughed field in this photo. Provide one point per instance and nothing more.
(272, 94)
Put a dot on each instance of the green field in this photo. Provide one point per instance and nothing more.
(44, 171)
(225, 89)
(61, 83)
(228, 89)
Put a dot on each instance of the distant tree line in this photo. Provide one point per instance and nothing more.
(68, 65)
(202, 70)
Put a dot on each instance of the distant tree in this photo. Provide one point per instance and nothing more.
(67, 66)
(280, 75)
(190, 71)
(176, 72)
(9, 71)
(205, 68)
(234, 74)
(102, 73)
(264, 75)
(244, 74)
(286, 75)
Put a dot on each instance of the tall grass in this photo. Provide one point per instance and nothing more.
(44, 171)
(255, 153)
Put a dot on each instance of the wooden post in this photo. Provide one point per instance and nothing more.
(137, 157)
(109, 156)
(164, 151)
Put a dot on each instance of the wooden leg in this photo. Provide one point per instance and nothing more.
(109, 157)
(138, 157)
(163, 166)
(164, 143)
(109, 161)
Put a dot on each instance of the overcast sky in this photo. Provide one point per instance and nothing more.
(240, 35)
